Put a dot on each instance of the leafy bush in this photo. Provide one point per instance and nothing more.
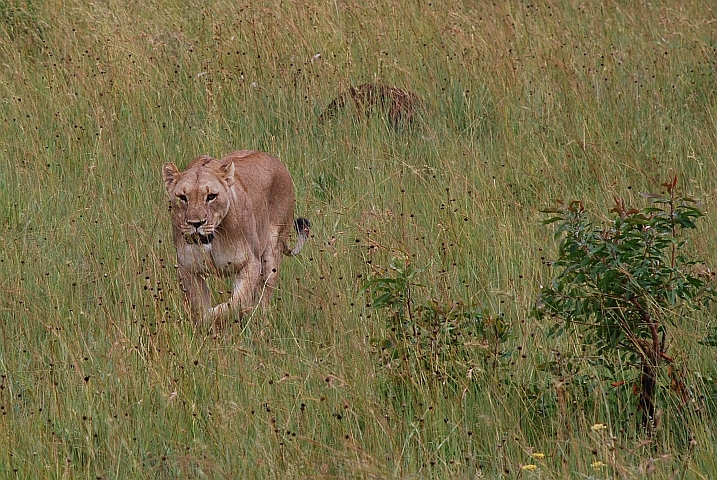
(431, 339)
(623, 283)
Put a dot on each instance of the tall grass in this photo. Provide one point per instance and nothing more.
(102, 374)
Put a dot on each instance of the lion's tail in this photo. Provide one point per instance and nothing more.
(302, 228)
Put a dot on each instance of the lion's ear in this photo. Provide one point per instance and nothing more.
(170, 175)
(226, 170)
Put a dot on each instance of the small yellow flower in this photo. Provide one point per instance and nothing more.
(597, 465)
(538, 456)
(530, 467)
(599, 426)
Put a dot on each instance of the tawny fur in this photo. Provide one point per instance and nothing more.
(232, 217)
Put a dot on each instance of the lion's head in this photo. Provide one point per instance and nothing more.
(199, 196)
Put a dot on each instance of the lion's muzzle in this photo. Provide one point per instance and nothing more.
(198, 232)
(197, 238)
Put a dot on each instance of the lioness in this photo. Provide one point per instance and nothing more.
(232, 217)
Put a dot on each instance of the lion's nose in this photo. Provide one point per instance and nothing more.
(198, 224)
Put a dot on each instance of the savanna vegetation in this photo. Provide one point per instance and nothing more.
(438, 324)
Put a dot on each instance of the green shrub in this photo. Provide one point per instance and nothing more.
(431, 339)
(625, 283)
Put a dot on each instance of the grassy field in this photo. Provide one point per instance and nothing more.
(104, 376)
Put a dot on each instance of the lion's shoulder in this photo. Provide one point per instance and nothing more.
(245, 153)
(201, 161)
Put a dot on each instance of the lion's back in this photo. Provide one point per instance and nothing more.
(268, 182)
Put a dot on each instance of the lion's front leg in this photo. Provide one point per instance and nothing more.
(196, 293)
(243, 297)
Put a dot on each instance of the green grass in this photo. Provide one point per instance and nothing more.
(103, 375)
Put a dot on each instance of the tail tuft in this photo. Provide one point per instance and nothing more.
(302, 224)
(302, 228)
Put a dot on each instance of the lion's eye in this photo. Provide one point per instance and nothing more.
(182, 198)
(211, 197)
